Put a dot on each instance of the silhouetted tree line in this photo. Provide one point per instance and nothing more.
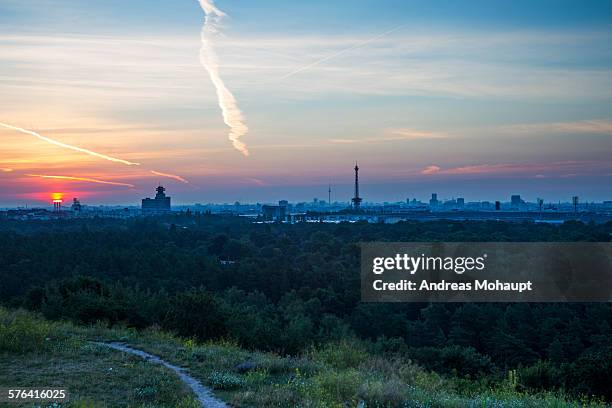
(285, 287)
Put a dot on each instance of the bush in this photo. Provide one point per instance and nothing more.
(196, 313)
(336, 386)
(590, 374)
(21, 332)
(455, 360)
(540, 376)
(345, 354)
(389, 394)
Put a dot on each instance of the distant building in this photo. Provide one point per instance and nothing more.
(460, 202)
(516, 202)
(575, 201)
(76, 206)
(274, 212)
(57, 205)
(158, 205)
(433, 201)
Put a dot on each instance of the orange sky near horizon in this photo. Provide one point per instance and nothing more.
(481, 111)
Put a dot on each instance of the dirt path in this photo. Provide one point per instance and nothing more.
(203, 393)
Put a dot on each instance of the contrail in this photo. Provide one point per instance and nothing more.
(85, 179)
(232, 116)
(339, 53)
(79, 149)
(67, 146)
(172, 176)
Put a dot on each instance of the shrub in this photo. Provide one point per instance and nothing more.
(456, 360)
(21, 332)
(341, 355)
(590, 374)
(540, 376)
(337, 386)
(196, 313)
(389, 394)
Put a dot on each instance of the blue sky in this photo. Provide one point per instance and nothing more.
(479, 99)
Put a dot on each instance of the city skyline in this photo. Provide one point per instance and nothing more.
(479, 102)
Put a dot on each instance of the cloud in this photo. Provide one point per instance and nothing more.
(411, 134)
(67, 146)
(601, 126)
(394, 135)
(83, 179)
(537, 170)
(256, 181)
(339, 53)
(232, 115)
(431, 170)
(172, 176)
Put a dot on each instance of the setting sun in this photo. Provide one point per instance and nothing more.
(57, 197)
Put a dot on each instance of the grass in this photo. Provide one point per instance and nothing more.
(38, 353)
(35, 352)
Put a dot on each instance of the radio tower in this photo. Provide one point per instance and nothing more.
(356, 200)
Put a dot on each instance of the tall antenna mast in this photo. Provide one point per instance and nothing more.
(356, 200)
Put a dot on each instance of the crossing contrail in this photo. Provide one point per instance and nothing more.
(339, 53)
(232, 115)
(85, 179)
(67, 146)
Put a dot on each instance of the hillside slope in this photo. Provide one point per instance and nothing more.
(37, 352)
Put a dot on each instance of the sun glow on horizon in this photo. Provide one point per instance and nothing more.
(57, 197)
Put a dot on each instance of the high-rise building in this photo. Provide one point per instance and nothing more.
(158, 205)
(274, 212)
(516, 202)
(356, 200)
(433, 201)
(76, 205)
(575, 201)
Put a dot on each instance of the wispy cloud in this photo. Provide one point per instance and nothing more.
(538, 170)
(394, 135)
(601, 126)
(412, 134)
(232, 115)
(171, 176)
(431, 170)
(256, 181)
(81, 179)
(339, 53)
(67, 146)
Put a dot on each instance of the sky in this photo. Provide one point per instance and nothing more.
(479, 99)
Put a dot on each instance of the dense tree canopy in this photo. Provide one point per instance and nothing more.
(284, 287)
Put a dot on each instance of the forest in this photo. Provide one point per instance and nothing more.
(288, 287)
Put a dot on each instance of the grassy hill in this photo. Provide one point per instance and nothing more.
(36, 352)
